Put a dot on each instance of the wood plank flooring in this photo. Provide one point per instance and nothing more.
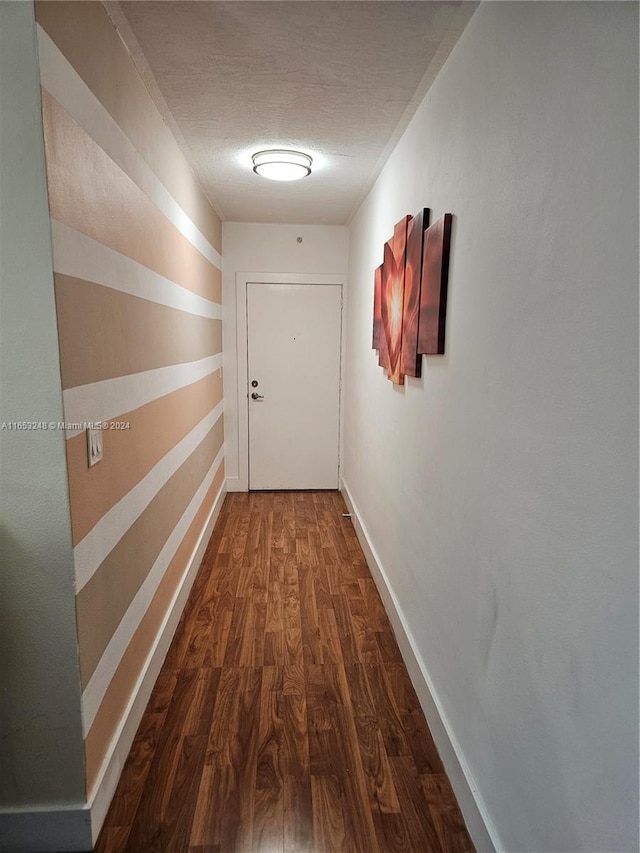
(283, 720)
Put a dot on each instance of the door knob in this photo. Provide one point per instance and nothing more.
(256, 396)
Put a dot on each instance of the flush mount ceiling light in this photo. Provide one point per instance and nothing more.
(281, 165)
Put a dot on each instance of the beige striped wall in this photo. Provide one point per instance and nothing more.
(138, 297)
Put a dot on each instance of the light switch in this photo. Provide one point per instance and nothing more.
(94, 445)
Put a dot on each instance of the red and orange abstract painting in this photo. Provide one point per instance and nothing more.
(393, 298)
(377, 307)
(410, 295)
(433, 290)
(411, 362)
(383, 349)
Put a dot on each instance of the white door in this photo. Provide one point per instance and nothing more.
(294, 334)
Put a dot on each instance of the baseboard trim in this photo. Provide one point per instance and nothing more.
(66, 830)
(105, 786)
(479, 824)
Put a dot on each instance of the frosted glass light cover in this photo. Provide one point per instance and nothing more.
(282, 165)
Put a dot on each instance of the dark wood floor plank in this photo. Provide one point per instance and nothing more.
(418, 821)
(363, 634)
(295, 735)
(200, 636)
(376, 616)
(291, 606)
(391, 832)
(277, 528)
(340, 542)
(274, 648)
(303, 549)
(225, 712)
(311, 645)
(180, 807)
(395, 738)
(260, 578)
(134, 774)
(268, 821)
(293, 680)
(293, 654)
(330, 647)
(154, 811)
(237, 632)
(113, 839)
(250, 557)
(356, 804)
(298, 826)
(298, 815)
(446, 814)
(323, 700)
(223, 593)
(423, 749)
(350, 650)
(179, 645)
(269, 770)
(388, 647)
(272, 678)
(401, 687)
(197, 718)
(275, 607)
(336, 576)
(217, 785)
(162, 692)
(315, 545)
(321, 587)
(283, 720)
(360, 694)
(259, 617)
(377, 770)
(269, 797)
(289, 531)
(328, 819)
(218, 640)
(236, 831)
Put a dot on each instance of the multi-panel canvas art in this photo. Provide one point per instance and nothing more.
(433, 292)
(377, 307)
(392, 301)
(410, 295)
(383, 349)
(411, 364)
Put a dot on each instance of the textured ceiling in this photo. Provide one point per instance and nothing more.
(339, 80)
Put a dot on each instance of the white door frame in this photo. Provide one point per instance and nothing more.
(242, 279)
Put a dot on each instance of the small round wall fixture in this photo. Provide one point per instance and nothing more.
(282, 165)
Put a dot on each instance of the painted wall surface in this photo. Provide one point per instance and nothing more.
(500, 490)
(41, 757)
(260, 248)
(138, 296)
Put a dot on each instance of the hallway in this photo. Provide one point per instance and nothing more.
(283, 718)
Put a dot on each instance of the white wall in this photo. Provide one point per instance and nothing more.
(257, 248)
(41, 751)
(500, 490)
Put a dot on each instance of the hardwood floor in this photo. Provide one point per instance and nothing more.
(283, 720)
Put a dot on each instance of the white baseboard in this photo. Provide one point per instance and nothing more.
(105, 786)
(59, 830)
(481, 829)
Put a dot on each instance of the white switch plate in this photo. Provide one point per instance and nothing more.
(94, 445)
